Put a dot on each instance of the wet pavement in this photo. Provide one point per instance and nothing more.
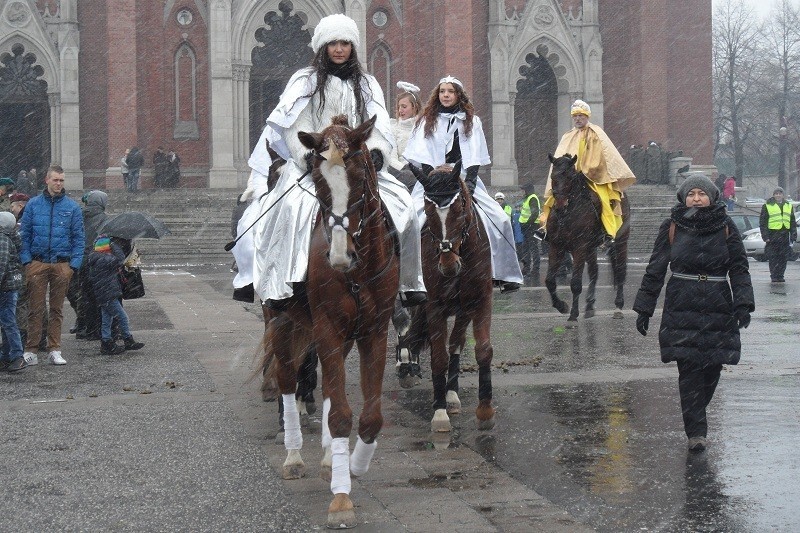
(588, 437)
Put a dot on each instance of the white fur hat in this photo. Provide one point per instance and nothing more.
(336, 27)
(579, 107)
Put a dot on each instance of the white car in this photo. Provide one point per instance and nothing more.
(754, 244)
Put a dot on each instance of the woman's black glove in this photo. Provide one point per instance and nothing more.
(309, 157)
(742, 316)
(377, 159)
(642, 323)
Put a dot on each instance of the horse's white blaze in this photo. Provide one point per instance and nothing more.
(362, 456)
(292, 437)
(442, 212)
(336, 177)
(340, 465)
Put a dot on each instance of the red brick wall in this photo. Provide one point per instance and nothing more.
(93, 82)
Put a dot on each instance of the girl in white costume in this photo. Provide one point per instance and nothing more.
(334, 85)
(449, 131)
(407, 110)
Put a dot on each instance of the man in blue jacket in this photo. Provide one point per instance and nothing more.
(52, 249)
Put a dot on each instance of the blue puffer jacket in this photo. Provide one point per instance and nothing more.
(52, 228)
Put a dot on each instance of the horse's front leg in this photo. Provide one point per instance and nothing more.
(458, 339)
(286, 376)
(576, 284)
(403, 323)
(481, 330)
(591, 266)
(437, 336)
(372, 350)
(337, 413)
(555, 259)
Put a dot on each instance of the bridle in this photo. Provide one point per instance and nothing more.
(445, 245)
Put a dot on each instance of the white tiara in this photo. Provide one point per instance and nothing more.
(451, 79)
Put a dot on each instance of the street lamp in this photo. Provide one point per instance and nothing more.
(783, 132)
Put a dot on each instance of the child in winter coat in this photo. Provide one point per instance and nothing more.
(103, 267)
(11, 359)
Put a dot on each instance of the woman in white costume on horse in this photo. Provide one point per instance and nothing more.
(449, 131)
(334, 84)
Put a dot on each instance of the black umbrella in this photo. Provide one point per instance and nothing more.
(134, 225)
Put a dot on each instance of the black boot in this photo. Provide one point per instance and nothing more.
(131, 344)
(509, 286)
(244, 294)
(110, 348)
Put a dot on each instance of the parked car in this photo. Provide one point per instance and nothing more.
(744, 221)
(754, 202)
(754, 245)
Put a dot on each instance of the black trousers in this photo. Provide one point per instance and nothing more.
(696, 385)
(777, 252)
(530, 256)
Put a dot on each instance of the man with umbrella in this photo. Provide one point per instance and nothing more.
(52, 249)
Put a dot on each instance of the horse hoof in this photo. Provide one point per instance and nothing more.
(618, 314)
(326, 465)
(563, 308)
(311, 407)
(340, 513)
(440, 422)
(279, 437)
(325, 474)
(305, 420)
(572, 323)
(453, 403)
(589, 313)
(408, 381)
(485, 425)
(293, 471)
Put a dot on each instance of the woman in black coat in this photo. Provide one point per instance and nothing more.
(709, 297)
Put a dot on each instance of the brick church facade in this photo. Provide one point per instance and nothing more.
(81, 81)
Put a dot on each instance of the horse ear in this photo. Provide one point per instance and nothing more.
(574, 160)
(419, 174)
(456, 170)
(551, 158)
(362, 133)
(311, 141)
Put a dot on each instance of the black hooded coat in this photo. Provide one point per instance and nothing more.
(698, 322)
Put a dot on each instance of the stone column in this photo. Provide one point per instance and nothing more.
(222, 173)
(70, 105)
(504, 164)
(54, 99)
(241, 126)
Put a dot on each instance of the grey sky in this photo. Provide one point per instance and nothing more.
(760, 7)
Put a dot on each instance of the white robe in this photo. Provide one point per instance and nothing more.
(281, 240)
(401, 129)
(432, 150)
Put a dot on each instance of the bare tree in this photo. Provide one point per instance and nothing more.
(736, 73)
(782, 59)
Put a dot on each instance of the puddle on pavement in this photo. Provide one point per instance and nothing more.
(437, 480)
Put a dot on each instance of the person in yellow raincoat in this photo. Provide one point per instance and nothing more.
(598, 160)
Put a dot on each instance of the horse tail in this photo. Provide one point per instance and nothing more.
(267, 367)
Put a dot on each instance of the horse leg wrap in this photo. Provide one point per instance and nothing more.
(362, 455)
(453, 370)
(340, 467)
(292, 438)
(326, 430)
(485, 382)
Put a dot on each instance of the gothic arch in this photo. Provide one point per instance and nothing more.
(251, 17)
(44, 57)
(380, 65)
(569, 74)
(185, 120)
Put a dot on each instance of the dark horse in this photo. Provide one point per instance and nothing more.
(574, 226)
(348, 298)
(457, 269)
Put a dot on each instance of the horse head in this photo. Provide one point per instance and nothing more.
(565, 178)
(346, 182)
(448, 209)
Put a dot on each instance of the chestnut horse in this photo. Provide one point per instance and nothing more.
(574, 226)
(348, 298)
(457, 270)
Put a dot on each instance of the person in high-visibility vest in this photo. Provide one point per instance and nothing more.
(528, 220)
(599, 160)
(779, 230)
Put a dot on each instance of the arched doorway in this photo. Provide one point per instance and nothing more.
(535, 118)
(283, 49)
(25, 127)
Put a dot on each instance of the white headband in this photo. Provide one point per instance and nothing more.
(451, 79)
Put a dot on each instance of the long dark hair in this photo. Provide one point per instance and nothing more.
(433, 107)
(351, 69)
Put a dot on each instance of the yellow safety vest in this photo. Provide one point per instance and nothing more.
(779, 215)
(525, 212)
(507, 209)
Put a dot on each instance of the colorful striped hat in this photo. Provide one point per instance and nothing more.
(102, 244)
